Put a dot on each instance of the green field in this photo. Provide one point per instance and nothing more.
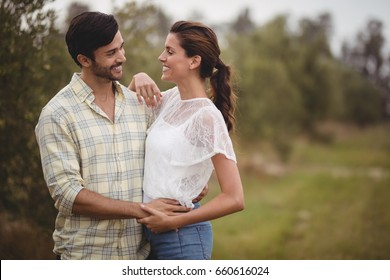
(329, 202)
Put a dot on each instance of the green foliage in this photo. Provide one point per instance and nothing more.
(366, 57)
(290, 82)
(25, 78)
(363, 102)
(143, 28)
(270, 101)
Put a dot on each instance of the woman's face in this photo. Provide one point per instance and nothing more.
(176, 64)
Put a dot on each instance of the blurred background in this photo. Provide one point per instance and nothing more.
(313, 130)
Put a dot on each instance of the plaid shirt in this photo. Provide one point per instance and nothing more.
(82, 148)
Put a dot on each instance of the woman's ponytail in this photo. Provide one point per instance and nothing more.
(222, 93)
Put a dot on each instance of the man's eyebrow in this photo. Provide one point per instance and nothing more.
(114, 49)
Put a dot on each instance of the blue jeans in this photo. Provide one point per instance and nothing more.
(192, 242)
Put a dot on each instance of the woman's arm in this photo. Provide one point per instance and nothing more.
(146, 89)
(228, 201)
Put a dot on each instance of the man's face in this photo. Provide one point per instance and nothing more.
(109, 59)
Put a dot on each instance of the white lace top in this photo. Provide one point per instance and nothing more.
(179, 147)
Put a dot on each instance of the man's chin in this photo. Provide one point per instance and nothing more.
(116, 78)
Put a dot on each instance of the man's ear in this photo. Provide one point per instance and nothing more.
(84, 61)
(195, 61)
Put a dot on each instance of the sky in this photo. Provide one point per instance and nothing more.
(348, 16)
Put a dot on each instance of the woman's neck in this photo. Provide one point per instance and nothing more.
(192, 89)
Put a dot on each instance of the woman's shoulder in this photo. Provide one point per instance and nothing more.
(209, 113)
(170, 93)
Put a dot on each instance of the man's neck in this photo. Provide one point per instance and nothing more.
(100, 86)
(103, 91)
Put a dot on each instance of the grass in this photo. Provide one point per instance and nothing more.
(331, 203)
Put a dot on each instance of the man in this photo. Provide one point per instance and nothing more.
(91, 137)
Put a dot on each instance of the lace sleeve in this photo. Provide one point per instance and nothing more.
(204, 136)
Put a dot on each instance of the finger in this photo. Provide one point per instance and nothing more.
(151, 95)
(150, 91)
(143, 221)
(141, 94)
(148, 96)
(150, 210)
(138, 93)
(149, 99)
(139, 98)
(157, 93)
(180, 208)
(170, 201)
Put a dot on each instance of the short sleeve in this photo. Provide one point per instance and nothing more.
(205, 135)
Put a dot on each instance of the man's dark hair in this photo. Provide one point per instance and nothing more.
(89, 31)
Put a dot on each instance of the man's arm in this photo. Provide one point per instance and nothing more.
(92, 204)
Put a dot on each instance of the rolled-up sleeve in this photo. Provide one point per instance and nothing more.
(60, 163)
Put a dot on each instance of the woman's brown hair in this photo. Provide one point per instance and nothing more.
(198, 39)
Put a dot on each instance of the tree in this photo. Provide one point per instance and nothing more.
(365, 56)
(270, 105)
(29, 55)
(243, 23)
(75, 9)
(311, 71)
(285, 87)
(144, 28)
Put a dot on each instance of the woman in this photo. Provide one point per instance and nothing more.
(190, 138)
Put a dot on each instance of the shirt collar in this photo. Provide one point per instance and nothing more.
(83, 91)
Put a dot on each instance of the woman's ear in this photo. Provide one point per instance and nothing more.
(195, 61)
(84, 61)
